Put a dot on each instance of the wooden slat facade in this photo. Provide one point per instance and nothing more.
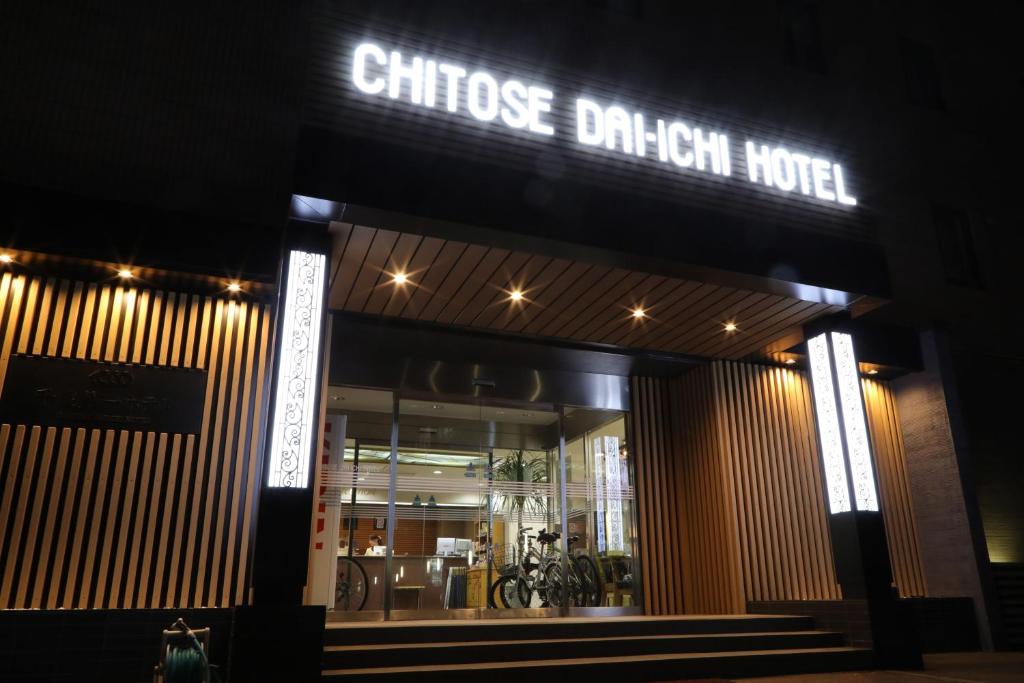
(730, 495)
(658, 496)
(891, 462)
(93, 518)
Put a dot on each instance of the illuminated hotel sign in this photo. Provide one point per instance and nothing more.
(456, 90)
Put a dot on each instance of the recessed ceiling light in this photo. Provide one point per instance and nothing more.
(400, 278)
(438, 472)
(234, 287)
(125, 274)
(639, 313)
(730, 326)
(872, 371)
(6, 258)
(516, 295)
(791, 361)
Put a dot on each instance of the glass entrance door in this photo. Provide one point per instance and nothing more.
(474, 493)
(435, 509)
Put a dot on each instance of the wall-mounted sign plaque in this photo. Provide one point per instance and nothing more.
(64, 392)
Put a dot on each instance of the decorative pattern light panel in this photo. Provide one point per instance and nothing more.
(854, 422)
(293, 418)
(613, 491)
(828, 425)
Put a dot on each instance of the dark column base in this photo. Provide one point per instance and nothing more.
(277, 643)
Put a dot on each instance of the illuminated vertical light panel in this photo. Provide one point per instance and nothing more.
(828, 425)
(599, 487)
(293, 421)
(857, 446)
(613, 490)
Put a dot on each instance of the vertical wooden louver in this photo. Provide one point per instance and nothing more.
(741, 479)
(659, 507)
(93, 518)
(891, 462)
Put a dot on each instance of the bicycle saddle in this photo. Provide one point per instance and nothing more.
(544, 537)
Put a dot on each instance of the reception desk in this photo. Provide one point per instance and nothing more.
(418, 580)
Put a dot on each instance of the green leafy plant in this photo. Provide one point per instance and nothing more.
(516, 467)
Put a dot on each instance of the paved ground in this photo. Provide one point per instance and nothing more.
(968, 667)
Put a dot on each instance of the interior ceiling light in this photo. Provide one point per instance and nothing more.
(234, 287)
(125, 274)
(6, 258)
(731, 326)
(791, 361)
(400, 278)
(516, 295)
(639, 313)
(872, 371)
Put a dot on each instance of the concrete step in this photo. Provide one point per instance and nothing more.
(467, 652)
(622, 668)
(445, 631)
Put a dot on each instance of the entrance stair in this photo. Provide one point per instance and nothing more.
(585, 649)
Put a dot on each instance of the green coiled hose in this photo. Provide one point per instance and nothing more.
(185, 665)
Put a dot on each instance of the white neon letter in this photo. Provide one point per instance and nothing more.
(841, 195)
(452, 75)
(587, 111)
(803, 168)
(487, 109)
(370, 87)
(539, 102)
(759, 161)
(677, 130)
(514, 113)
(639, 131)
(430, 84)
(398, 71)
(617, 121)
(723, 150)
(821, 170)
(709, 147)
(783, 170)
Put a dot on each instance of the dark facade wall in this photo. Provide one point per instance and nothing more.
(941, 513)
(175, 107)
(986, 386)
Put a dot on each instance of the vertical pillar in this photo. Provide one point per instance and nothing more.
(277, 638)
(856, 526)
(286, 494)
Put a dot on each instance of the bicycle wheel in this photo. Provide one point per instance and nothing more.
(528, 584)
(524, 592)
(503, 592)
(553, 576)
(590, 581)
(351, 587)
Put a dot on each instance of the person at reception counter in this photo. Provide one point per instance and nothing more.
(376, 545)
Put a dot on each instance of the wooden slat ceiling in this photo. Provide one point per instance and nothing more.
(468, 285)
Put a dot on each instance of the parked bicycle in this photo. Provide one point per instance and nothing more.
(539, 572)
